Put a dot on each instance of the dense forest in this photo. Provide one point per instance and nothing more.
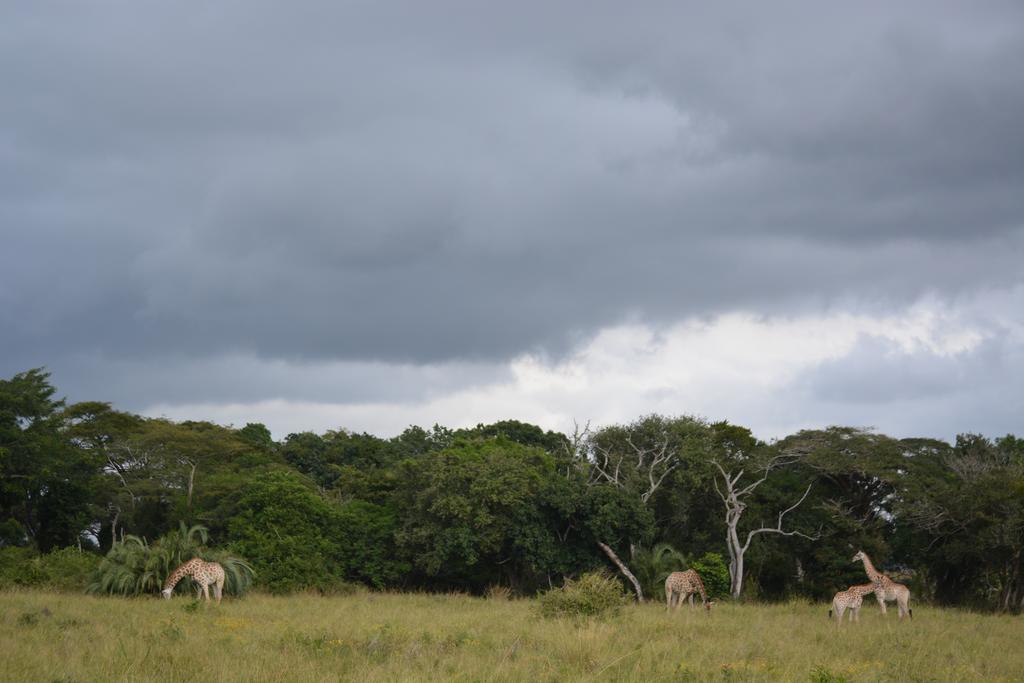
(511, 505)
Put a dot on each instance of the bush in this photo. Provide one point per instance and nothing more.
(67, 569)
(133, 567)
(593, 595)
(714, 572)
(17, 568)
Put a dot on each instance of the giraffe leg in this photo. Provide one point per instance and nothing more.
(218, 590)
(881, 602)
(206, 591)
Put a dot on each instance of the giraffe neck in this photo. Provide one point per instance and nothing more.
(178, 574)
(869, 568)
(700, 587)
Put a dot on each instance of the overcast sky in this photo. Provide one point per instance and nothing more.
(372, 214)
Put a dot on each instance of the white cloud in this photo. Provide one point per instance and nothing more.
(767, 373)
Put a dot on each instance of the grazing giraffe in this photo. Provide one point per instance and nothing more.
(886, 590)
(203, 573)
(850, 599)
(679, 585)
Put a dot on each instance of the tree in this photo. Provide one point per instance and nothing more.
(98, 429)
(477, 514)
(519, 432)
(971, 519)
(256, 434)
(859, 478)
(299, 540)
(45, 482)
(738, 454)
(286, 528)
(636, 459)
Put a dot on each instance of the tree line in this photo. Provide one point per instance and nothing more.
(510, 504)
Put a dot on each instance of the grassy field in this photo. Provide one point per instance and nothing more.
(387, 637)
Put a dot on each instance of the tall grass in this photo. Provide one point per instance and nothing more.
(134, 567)
(388, 637)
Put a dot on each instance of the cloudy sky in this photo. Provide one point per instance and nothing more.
(374, 214)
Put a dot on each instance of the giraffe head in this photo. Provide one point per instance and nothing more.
(859, 556)
(707, 606)
(166, 593)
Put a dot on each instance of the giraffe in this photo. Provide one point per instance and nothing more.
(850, 599)
(886, 590)
(203, 573)
(679, 585)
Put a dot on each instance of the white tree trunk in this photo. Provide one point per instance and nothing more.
(733, 497)
(191, 482)
(624, 569)
(736, 551)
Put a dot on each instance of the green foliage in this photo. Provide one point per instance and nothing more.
(134, 567)
(284, 526)
(714, 572)
(522, 433)
(595, 594)
(45, 483)
(67, 569)
(365, 536)
(476, 510)
(256, 434)
(652, 566)
(505, 504)
(299, 541)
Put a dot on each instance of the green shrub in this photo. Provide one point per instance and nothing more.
(714, 573)
(17, 568)
(67, 569)
(596, 594)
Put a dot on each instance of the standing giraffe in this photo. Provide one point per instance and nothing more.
(203, 573)
(679, 585)
(850, 599)
(886, 590)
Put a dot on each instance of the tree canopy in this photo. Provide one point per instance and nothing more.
(514, 505)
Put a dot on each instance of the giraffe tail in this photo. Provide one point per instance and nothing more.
(830, 613)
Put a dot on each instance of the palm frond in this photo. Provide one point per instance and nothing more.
(134, 567)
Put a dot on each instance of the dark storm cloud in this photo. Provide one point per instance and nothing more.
(425, 182)
(903, 393)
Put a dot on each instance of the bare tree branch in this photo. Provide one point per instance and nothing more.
(777, 529)
(733, 498)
